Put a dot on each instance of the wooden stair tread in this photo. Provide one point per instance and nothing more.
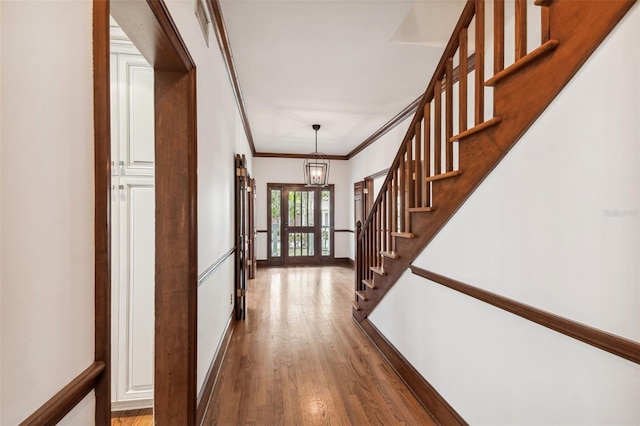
(420, 209)
(544, 3)
(362, 295)
(442, 176)
(369, 283)
(390, 254)
(541, 51)
(355, 305)
(480, 127)
(403, 234)
(378, 271)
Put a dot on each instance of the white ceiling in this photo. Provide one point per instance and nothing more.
(349, 65)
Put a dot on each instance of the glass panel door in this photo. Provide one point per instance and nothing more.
(300, 225)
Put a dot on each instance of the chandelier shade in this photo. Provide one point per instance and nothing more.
(316, 166)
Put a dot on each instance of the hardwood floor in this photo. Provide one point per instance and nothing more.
(300, 359)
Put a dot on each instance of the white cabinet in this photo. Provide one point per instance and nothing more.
(132, 229)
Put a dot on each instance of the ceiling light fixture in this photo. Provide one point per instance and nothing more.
(316, 166)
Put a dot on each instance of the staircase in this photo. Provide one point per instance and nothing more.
(452, 144)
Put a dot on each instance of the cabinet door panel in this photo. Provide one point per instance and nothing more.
(136, 288)
(136, 115)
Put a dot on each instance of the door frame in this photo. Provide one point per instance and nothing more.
(150, 26)
(320, 260)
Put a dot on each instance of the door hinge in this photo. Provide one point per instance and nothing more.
(241, 171)
(241, 292)
(249, 262)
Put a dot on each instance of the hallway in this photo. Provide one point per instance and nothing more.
(300, 359)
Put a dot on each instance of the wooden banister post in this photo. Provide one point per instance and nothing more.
(359, 267)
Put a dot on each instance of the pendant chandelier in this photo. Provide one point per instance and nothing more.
(316, 166)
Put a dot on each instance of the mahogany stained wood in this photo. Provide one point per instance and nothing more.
(299, 359)
(614, 344)
(491, 122)
(498, 36)
(54, 410)
(102, 207)
(536, 54)
(463, 99)
(521, 28)
(444, 176)
(479, 94)
(176, 249)
(448, 149)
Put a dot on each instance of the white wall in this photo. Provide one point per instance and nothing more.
(286, 170)
(220, 137)
(47, 245)
(540, 230)
(376, 157)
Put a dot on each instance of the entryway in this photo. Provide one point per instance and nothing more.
(301, 226)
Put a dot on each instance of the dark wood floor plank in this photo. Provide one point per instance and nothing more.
(299, 358)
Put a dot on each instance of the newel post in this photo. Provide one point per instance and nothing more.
(359, 243)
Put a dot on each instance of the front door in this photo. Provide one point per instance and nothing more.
(300, 223)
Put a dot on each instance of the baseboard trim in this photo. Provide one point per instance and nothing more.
(135, 404)
(432, 401)
(204, 397)
(261, 263)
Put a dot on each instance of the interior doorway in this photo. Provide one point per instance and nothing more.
(150, 27)
(132, 224)
(301, 222)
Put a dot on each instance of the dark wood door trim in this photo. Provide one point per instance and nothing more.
(102, 209)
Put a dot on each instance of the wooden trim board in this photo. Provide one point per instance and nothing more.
(428, 396)
(611, 343)
(204, 396)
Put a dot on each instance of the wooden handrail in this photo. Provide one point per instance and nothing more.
(52, 411)
(463, 22)
(611, 343)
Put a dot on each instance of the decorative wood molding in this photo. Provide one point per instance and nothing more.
(611, 343)
(215, 265)
(428, 396)
(380, 174)
(204, 396)
(102, 207)
(389, 125)
(54, 410)
(225, 48)
(299, 156)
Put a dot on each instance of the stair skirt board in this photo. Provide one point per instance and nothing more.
(428, 396)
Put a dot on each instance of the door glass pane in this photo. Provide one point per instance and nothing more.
(310, 206)
(325, 218)
(275, 223)
(304, 204)
(300, 244)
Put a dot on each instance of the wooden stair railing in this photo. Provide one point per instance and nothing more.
(448, 150)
